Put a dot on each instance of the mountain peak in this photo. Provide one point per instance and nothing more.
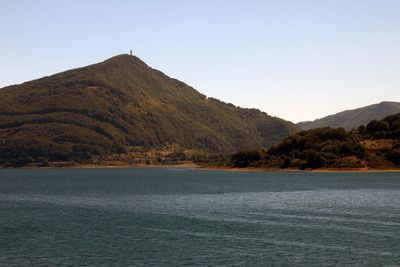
(124, 60)
(122, 57)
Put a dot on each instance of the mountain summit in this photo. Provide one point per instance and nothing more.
(121, 102)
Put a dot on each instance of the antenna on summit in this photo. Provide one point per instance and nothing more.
(130, 52)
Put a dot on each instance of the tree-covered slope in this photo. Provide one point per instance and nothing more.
(375, 145)
(350, 119)
(105, 107)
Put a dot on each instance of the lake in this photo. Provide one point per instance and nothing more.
(191, 217)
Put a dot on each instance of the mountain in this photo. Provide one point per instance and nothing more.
(121, 102)
(350, 119)
(375, 145)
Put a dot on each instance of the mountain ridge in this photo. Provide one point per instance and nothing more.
(105, 107)
(353, 118)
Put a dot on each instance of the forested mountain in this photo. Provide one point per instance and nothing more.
(374, 145)
(106, 107)
(350, 119)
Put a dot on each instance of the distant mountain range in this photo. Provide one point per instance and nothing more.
(121, 102)
(350, 119)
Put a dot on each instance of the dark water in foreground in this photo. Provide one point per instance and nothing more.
(177, 216)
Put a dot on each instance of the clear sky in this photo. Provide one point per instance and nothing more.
(299, 60)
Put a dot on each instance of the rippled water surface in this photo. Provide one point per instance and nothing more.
(181, 216)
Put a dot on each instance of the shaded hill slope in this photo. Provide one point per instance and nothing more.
(375, 145)
(350, 119)
(105, 107)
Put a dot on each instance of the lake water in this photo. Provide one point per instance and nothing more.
(185, 217)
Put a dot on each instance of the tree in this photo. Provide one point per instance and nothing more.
(286, 163)
(315, 160)
(394, 156)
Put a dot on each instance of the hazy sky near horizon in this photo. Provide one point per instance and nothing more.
(299, 60)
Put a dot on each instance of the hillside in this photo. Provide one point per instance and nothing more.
(375, 145)
(351, 119)
(121, 102)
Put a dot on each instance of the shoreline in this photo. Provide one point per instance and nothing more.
(320, 170)
(144, 166)
(213, 168)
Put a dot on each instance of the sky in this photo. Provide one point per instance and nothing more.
(298, 60)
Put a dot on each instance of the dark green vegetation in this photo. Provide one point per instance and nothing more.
(376, 145)
(120, 103)
(350, 119)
